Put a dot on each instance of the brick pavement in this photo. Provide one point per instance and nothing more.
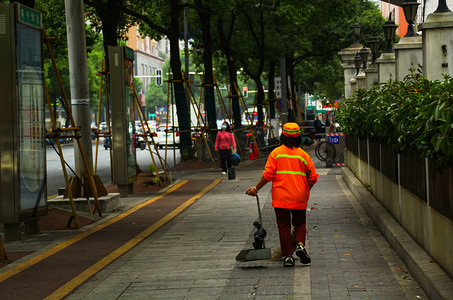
(351, 258)
(192, 256)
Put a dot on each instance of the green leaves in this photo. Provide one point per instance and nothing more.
(413, 114)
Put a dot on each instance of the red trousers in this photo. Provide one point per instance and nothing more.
(284, 219)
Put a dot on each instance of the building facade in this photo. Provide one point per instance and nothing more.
(391, 8)
(147, 59)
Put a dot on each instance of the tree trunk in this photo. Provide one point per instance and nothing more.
(290, 73)
(109, 13)
(180, 93)
(237, 116)
(260, 103)
(110, 39)
(231, 63)
(271, 92)
(205, 20)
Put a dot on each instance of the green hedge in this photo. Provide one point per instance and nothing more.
(413, 114)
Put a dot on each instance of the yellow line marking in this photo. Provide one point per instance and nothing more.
(34, 260)
(245, 164)
(53, 196)
(82, 277)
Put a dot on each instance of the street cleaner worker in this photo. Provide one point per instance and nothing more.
(293, 174)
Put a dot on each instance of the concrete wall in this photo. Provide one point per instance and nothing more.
(438, 45)
(429, 228)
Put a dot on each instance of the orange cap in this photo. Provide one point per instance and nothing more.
(291, 129)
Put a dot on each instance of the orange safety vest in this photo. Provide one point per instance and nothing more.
(292, 173)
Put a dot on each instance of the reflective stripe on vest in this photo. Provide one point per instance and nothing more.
(292, 173)
(293, 156)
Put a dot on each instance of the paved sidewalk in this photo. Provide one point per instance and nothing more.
(193, 255)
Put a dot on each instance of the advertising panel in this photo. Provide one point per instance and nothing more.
(22, 123)
(30, 112)
(123, 114)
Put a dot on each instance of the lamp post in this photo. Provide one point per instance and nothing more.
(389, 32)
(357, 61)
(363, 53)
(356, 28)
(373, 43)
(442, 7)
(410, 12)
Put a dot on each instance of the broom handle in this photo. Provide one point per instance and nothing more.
(259, 210)
(259, 215)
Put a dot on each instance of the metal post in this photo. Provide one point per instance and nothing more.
(186, 41)
(78, 74)
(186, 54)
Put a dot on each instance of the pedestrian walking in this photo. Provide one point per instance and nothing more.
(293, 174)
(223, 143)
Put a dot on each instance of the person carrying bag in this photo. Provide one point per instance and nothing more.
(224, 143)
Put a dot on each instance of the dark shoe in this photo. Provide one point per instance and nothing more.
(288, 261)
(302, 253)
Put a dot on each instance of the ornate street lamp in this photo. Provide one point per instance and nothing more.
(356, 28)
(374, 43)
(357, 61)
(389, 32)
(443, 7)
(364, 56)
(410, 12)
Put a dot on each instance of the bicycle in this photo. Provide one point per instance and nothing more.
(324, 150)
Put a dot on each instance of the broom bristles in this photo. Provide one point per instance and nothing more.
(277, 255)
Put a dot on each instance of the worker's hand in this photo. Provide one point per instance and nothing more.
(252, 191)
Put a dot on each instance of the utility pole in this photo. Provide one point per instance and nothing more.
(186, 40)
(186, 55)
(78, 75)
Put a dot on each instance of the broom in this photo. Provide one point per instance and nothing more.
(277, 255)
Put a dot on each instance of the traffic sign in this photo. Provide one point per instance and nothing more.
(245, 91)
(278, 104)
(159, 76)
(278, 87)
(334, 140)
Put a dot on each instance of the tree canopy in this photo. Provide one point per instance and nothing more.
(231, 38)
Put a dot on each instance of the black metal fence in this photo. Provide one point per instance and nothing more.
(437, 186)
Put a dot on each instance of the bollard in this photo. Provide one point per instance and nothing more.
(329, 162)
(231, 173)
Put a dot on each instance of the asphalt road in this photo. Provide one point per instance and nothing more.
(55, 178)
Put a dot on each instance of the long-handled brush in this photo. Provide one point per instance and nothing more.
(259, 252)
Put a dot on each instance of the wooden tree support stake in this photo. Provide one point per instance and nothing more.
(3, 255)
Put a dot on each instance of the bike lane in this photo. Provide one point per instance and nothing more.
(56, 272)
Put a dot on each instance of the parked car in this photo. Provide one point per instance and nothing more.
(103, 127)
(167, 135)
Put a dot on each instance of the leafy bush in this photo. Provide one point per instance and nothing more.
(413, 114)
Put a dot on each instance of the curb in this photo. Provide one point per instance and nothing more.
(434, 281)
